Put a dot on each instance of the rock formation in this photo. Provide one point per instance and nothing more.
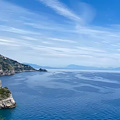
(7, 103)
(6, 99)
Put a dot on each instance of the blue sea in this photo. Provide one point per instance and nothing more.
(64, 95)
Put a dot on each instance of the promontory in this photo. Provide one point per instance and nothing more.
(10, 67)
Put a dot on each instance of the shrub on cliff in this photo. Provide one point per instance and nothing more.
(4, 93)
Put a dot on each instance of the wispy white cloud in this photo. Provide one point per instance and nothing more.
(8, 42)
(61, 9)
(24, 33)
(16, 30)
(62, 40)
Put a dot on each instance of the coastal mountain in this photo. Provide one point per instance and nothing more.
(10, 67)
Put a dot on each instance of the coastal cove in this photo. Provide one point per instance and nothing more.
(63, 95)
(10, 67)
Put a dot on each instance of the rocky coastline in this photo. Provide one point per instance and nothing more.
(7, 103)
(7, 73)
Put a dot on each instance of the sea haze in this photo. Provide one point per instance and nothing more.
(64, 95)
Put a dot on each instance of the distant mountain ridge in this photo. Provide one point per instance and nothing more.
(10, 67)
(38, 66)
(73, 66)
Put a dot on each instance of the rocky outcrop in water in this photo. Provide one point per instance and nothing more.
(6, 99)
(7, 103)
(43, 70)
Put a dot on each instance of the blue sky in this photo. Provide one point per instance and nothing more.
(61, 32)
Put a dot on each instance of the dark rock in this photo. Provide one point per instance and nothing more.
(42, 70)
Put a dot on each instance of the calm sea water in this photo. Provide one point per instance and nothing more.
(64, 95)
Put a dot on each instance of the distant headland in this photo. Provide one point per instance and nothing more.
(10, 67)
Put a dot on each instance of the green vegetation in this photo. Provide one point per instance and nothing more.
(4, 93)
(4, 65)
(1, 118)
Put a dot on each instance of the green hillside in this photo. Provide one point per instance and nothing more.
(9, 66)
